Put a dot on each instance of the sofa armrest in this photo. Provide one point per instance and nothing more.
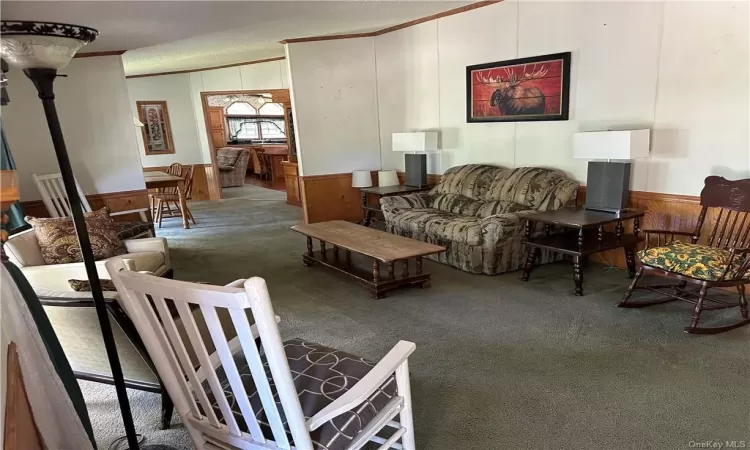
(23, 249)
(501, 227)
(391, 203)
(155, 244)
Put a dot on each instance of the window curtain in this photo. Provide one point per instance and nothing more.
(235, 123)
(15, 213)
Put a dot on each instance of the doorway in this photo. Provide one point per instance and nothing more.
(258, 121)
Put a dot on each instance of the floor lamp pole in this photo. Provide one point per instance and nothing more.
(43, 80)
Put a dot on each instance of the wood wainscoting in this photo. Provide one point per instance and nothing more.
(201, 185)
(115, 201)
(331, 197)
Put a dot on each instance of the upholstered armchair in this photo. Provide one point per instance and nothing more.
(232, 162)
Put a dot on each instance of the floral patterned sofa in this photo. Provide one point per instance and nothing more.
(472, 212)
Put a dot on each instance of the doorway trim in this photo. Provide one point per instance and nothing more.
(213, 178)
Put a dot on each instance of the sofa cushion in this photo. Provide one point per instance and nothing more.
(440, 225)
(533, 187)
(321, 375)
(55, 277)
(59, 244)
(471, 180)
(227, 156)
(456, 204)
(499, 207)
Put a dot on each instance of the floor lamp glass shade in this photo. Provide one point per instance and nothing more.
(361, 178)
(388, 178)
(42, 45)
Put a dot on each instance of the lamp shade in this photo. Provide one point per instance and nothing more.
(388, 178)
(421, 141)
(42, 45)
(625, 144)
(361, 178)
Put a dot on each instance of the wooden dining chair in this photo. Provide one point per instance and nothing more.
(163, 200)
(722, 261)
(173, 169)
(257, 391)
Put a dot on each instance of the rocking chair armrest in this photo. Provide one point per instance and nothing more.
(364, 387)
(668, 234)
(739, 251)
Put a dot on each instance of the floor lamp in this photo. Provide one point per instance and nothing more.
(40, 49)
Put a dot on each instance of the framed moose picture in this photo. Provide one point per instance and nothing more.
(157, 133)
(536, 88)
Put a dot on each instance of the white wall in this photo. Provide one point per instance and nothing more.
(334, 98)
(175, 90)
(681, 68)
(96, 119)
(268, 75)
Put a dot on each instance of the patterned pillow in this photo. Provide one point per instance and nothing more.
(85, 285)
(59, 243)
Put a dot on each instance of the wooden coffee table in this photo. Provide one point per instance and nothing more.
(375, 247)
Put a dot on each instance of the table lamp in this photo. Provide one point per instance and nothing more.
(361, 178)
(608, 182)
(415, 163)
(388, 178)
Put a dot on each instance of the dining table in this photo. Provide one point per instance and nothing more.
(158, 180)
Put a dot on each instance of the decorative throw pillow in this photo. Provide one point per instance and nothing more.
(59, 243)
(85, 285)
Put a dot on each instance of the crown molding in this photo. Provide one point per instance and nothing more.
(391, 29)
(224, 66)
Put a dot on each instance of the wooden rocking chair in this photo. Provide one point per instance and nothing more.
(257, 392)
(722, 262)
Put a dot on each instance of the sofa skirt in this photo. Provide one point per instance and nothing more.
(507, 256)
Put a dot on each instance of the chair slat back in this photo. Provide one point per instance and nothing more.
(55, 198)
(187, 174)
(729, 202)
(192, 388)
(176, 170)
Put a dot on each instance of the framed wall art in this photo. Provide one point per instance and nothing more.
(536, 88)
(157, 133)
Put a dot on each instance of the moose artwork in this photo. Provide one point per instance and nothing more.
(523, 89)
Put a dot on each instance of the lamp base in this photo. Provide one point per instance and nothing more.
(416, 169)
(607, 186)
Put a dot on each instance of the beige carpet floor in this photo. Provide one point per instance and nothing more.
(500, 364)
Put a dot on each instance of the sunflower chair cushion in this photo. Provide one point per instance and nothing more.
(697, 261)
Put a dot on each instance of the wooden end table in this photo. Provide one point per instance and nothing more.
(376, 246)
(385, 191)
(582, 235)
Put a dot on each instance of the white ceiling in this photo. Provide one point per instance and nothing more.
(163, 36)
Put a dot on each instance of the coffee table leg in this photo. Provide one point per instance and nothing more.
(335, 253)
(390, 270)
(375, 271)
(307, 259)
(419, 265)
(630, 260)
(578, 274)
(323, 254)
(530, 256)
(404, 268)
(348, 258)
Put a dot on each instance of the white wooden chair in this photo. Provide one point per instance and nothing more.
(255, 391)
(56, 200)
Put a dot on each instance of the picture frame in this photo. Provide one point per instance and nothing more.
(156, 130)
(517, 90)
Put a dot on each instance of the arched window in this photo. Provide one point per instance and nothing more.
(241, 109)
(271, 109)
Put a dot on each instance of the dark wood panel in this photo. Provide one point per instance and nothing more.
(330, 197)
(291, 180)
